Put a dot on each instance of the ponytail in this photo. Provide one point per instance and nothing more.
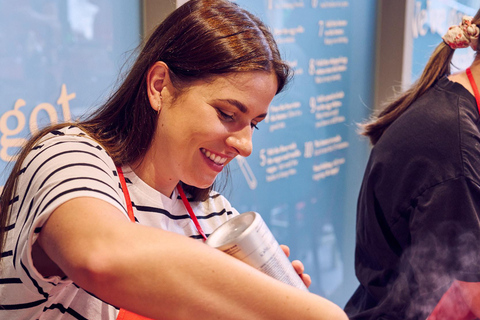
(437, 66)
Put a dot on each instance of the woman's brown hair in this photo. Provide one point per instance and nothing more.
(199, 40)
(437, 66)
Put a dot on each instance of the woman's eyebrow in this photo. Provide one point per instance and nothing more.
(240, 106)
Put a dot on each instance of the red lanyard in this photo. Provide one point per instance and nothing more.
(126, 194)
(475, 88)
(190, 212)
(182, 195)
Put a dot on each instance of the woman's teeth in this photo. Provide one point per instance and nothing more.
(215, 158)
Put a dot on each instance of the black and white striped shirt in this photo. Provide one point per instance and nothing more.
(67, 164)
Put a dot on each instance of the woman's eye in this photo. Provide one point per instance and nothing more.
(231, 117)
(225, 116)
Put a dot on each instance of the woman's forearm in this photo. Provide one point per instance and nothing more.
(164, 275)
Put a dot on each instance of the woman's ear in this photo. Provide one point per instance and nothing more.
(157, 79)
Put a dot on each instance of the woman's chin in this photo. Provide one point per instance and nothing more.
(200, 184)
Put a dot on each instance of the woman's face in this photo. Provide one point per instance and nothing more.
(206, 126)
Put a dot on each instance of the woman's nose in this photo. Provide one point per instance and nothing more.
(241, 141)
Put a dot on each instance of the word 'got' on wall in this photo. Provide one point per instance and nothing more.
(12, 138)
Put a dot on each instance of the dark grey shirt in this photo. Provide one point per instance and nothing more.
(418, 213)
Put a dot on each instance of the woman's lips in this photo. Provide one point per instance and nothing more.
(217, 159)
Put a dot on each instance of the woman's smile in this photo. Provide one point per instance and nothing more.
(215, 158)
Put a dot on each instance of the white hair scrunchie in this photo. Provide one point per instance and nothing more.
(463, 35)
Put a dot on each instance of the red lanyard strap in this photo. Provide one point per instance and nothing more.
(126, 194)
(475, 88)
(125, 314)
(182, 195)
(190, 212)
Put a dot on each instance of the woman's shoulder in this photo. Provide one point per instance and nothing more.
(67, 145)
(434, 118)
(455, 87)
(69, 137)
(67, 132)
(462, 79)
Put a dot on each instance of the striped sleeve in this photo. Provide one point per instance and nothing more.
(60, 168)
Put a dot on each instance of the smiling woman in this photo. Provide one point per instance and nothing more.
(213, 121)
(188, 106)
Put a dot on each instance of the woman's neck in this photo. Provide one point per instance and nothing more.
(462, 78)
(149, 173)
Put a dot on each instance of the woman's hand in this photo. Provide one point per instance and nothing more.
(298, 266)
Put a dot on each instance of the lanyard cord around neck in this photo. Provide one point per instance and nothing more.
(182, 195)
(190, 212)
(475, 88)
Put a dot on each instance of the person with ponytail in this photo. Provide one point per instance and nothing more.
(417, 250)
(104, 218)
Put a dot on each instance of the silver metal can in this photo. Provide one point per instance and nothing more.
(248, 238)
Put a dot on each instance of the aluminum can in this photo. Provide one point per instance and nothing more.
(248, 238)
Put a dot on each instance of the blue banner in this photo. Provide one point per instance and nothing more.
(305, 171)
